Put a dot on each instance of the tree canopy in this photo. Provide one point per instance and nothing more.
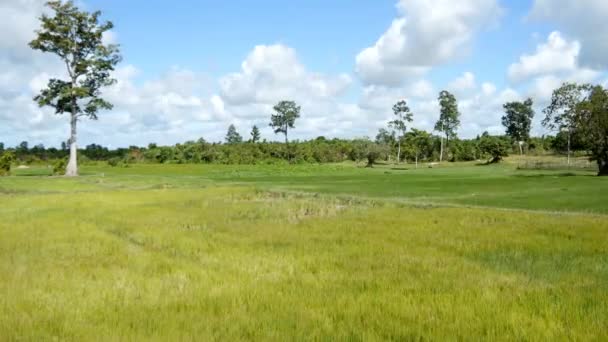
(255, 134)
(592, 118)
(232, 136)
(449, 117)
(284, 117)
(518, 119)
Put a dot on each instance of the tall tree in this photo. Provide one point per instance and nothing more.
(255, 134)
(449, 118)
(518, 121)
(76, 37)
(232, 136)
(560, 114)
(284, 117)
(592, 119)
(403, 115)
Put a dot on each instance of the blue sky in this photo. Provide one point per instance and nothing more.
(191, 68)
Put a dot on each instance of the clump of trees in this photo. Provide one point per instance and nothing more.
(581, 111)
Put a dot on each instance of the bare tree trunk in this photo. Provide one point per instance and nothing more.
(72, 169)
(441, 151)
(416, 160)
(568, 147)
(287, 147)
(521, 151)
(399, 153)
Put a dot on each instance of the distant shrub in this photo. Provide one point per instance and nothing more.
(495, 147)
(5, 163)
(113, 162)
(59, 167)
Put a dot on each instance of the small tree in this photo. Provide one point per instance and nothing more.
(284, 118)
(494, 147)
(6, 160)
(403, 115)
(77, 38)
(374, 152)
(419, 144)
(518, 121)
(561, 112)
(232, 136)
(592, 119)
(449, 119)
(255, 134)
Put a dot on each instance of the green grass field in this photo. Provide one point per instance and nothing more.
(329, 252)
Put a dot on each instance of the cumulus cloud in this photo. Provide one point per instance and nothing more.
(425, 35)
(556, 55)
(554, 62)
(271, 73)
(583, 19)
(464, 84)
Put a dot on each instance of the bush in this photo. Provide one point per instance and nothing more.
(5, 163)
(59, 167)
(494, 147)
(113, 162)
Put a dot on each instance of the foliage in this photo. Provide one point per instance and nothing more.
(494, 147)
(6, 160)
(518, 119)
(592, 119)
(560, 114)
(255, 134)
(232, 136)
(284, 117)
(59, 167)
(418, 145)
(449, 117)
(403, 115)
(114, 161)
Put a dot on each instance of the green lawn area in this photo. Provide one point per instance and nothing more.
(329, 252)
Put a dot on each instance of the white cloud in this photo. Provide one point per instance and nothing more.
(271, 73)
(425, 35)
(554, 62)
(464, 84)
(556, 55)
(488, 88)
(583, 19)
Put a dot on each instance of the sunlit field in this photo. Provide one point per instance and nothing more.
(183, 252)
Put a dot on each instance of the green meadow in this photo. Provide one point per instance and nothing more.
(326, 252)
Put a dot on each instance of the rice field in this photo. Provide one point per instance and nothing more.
(329, 252)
